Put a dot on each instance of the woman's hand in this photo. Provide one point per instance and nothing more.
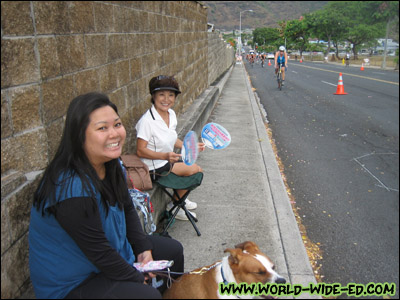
(144, 258)
(173, 157)
(201, 147)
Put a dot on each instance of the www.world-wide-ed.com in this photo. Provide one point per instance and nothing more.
(322, 289)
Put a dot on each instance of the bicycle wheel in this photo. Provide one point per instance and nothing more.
(279, 81)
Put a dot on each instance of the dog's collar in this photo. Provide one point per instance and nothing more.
(223, 276)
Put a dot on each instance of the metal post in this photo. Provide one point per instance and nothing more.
(240, 30)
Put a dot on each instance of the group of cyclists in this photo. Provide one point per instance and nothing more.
(280, 60)
(255, 57)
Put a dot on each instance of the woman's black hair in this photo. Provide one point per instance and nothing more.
(70, 159)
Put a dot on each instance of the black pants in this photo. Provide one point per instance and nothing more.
(101, 287)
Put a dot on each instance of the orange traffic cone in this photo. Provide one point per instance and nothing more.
(301, 60)
(269, 62)
(362, 67)
(340, 88)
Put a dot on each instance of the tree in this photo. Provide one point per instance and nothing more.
(298, 33)
(327, 24)
(387, 12)
(266, 36)
(360, 26)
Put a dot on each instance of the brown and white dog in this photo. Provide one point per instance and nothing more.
(246, 263)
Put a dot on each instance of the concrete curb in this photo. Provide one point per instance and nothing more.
(297, 261)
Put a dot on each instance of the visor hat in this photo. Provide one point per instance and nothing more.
(163, 82)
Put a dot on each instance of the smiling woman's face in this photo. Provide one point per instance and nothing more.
(104, 136)
(164, 100)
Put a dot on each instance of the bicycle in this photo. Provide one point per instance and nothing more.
(262, 63)
(279, 76)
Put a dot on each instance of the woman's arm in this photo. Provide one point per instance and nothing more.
(286, 59)
(80, 218)
(178, 144)
(144, 152)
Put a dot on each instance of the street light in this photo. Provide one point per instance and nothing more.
(240, 30)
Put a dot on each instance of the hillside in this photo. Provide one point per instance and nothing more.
(225, 14)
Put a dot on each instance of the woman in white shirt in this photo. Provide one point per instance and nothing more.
(157, 137)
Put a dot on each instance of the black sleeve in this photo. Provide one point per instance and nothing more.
(134, 231)
(80, 218)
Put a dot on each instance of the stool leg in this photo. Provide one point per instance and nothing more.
(191, 219)
(172, 219)
(180, 204)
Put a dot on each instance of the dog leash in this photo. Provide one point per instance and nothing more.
(199, 272)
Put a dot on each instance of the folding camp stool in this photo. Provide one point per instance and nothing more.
(175, 182)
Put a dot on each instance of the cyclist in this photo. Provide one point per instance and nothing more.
(347, 59)
(252, 58)
(281, 58)
(263, 57)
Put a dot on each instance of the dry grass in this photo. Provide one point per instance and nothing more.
(373, 60)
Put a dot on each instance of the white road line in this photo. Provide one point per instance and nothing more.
(328, 83)
(294, 72)
(381, 184)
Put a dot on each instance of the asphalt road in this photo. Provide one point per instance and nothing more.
(341, 160)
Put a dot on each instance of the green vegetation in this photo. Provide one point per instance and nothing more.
(345, 25)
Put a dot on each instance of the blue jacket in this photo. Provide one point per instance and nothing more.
(57, 265)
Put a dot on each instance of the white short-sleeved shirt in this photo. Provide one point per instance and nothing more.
(159, 137)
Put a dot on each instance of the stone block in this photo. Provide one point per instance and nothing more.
(129, 21)
(10, 180)
(6, 127)
(158, 23)
(132, 94)
(108, 78)
(132, 45)
(5, 231)
(14, 269)
(18, 62)
(18, 206)
(57, 94)
(123, 75)
(137, 18)
(86, 81)
(25, 152)
(81, 16)
(103, 17)
(116, 47)
(136, 68)
(51, 17)
(118, 98)
(96, 52)
(16, 18)
(49, 63)
(120, 19)
(150, 65)
(54, 133)
(25, 108)
(145, 25)
(71, 53)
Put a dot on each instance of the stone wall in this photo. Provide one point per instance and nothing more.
(52, 52)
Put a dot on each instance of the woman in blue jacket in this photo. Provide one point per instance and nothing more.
(85, 234)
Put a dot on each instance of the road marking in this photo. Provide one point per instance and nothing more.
(379, 73)
(294, 72)
(328, 83)
(364, 77)
(381, 184)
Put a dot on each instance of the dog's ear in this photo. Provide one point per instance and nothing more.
(248, 246)
(234, 257)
